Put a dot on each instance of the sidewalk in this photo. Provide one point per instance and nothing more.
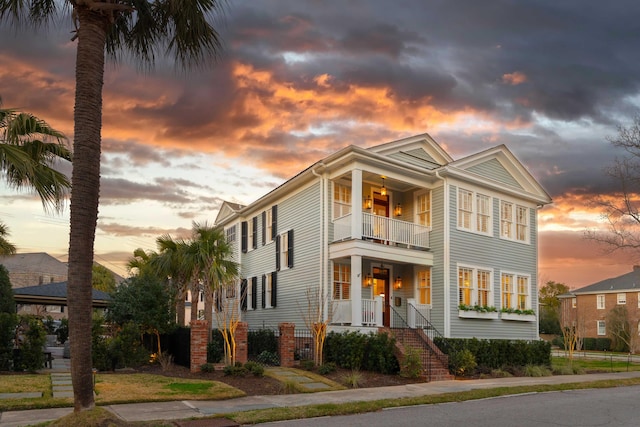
(179, 410)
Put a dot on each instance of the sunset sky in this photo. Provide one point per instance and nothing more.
(300, 79)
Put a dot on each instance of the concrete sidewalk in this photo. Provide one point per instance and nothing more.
(179, 410)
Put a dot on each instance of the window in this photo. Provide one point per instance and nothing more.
(506, 219)
(574, 302)
(474, 211)
(231, 234)
(284, 250)
(514, 215)
(253, 233)
(341, 200)
(474, 286)
(341, 281)
(424, 287)
(483, 208)
(522, 223)
(602, 329)
(464, 209)
(269, 224)
(523, 293)
(622, 298)
(423, 209)
(269, 293)
(600, 302)
(507, 290)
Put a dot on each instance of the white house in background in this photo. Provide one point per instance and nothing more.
(397, 235)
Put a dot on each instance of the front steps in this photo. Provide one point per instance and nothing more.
(434, 362)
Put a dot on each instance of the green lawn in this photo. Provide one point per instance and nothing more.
(115, 388)
(582, 365)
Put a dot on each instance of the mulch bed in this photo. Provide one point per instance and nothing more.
(261, 386)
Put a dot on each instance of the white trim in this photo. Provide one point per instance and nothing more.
(604, 328)
(474, 212)
(474, 284)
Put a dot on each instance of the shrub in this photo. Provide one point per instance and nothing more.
(352, 379)
(8, 323)
(260, 341)
(207, 367)
(327, 368)
(411, 364)
(34, 339)
(215, 348)
(63, 331)
(236, 370)
(255, 368)
(166, 360)
(536, 371)
(268, 358)
(348, 349)
(462, 362)
(307, 364)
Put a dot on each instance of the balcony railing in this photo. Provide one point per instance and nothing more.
(383, 230)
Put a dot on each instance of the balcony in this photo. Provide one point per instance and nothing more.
(383, 230)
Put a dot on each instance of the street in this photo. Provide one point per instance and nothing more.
(615, 407)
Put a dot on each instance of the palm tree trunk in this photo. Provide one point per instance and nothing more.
(85, 182)
(208, 304)
(180, 305)
(195, 300)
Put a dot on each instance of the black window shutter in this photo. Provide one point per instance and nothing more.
(218, 296)
(278, 253)
(274, 221)
(264, 289)
(244, 236)
(274, 289)
(254, 292)
(264, 227)
(290, 254)
(243, 295)
(255, 232)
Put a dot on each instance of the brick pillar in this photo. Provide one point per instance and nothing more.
(199, 338)
(242, 347)
(287, 344)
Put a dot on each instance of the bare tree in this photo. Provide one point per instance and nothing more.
(621, 211)
(622, 331)
(313, 315)
(227, 311)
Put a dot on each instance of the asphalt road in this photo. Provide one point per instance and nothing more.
(611, 407)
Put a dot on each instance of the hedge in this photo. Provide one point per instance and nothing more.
(495, 354)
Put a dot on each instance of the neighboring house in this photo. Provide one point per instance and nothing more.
(394, 235)
(587, 308)
(32, 270)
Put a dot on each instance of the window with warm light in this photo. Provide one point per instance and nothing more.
(474, 212)
(523, 293)
(423, 209)
(424, 287)
(507, 290)
(341, 200)
(341, 281)
(475, 286)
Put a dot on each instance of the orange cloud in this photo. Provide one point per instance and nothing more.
(514, 78)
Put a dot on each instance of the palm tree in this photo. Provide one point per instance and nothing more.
(209, 255)
(178, 28)
(170, 264)
(29, 148)
(6, 247)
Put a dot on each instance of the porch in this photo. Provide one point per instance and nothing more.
(372, 311)
(383, 230)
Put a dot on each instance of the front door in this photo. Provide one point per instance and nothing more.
(382, 288)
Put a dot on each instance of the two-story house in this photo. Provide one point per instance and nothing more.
(587, 308)
(392, 235)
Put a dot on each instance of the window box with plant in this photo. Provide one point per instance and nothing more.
(510, 313)
(477, 311)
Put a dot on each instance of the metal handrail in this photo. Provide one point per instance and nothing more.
(431, 332)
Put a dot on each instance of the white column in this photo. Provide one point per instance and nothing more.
(356, 204)
(379, 303)
(411, 312)
(356, 290)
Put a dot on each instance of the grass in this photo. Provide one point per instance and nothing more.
(590, 365)
(115, 388)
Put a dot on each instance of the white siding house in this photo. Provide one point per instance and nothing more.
(395, 235)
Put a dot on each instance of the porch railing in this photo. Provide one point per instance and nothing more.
(384, 230)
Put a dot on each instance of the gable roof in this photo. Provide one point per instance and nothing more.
(498, 167)
(419, 150)
(227, 209)
(38, 262)
(627, 282)
(54, 294)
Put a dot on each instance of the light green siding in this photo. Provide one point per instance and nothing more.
(493, 169)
